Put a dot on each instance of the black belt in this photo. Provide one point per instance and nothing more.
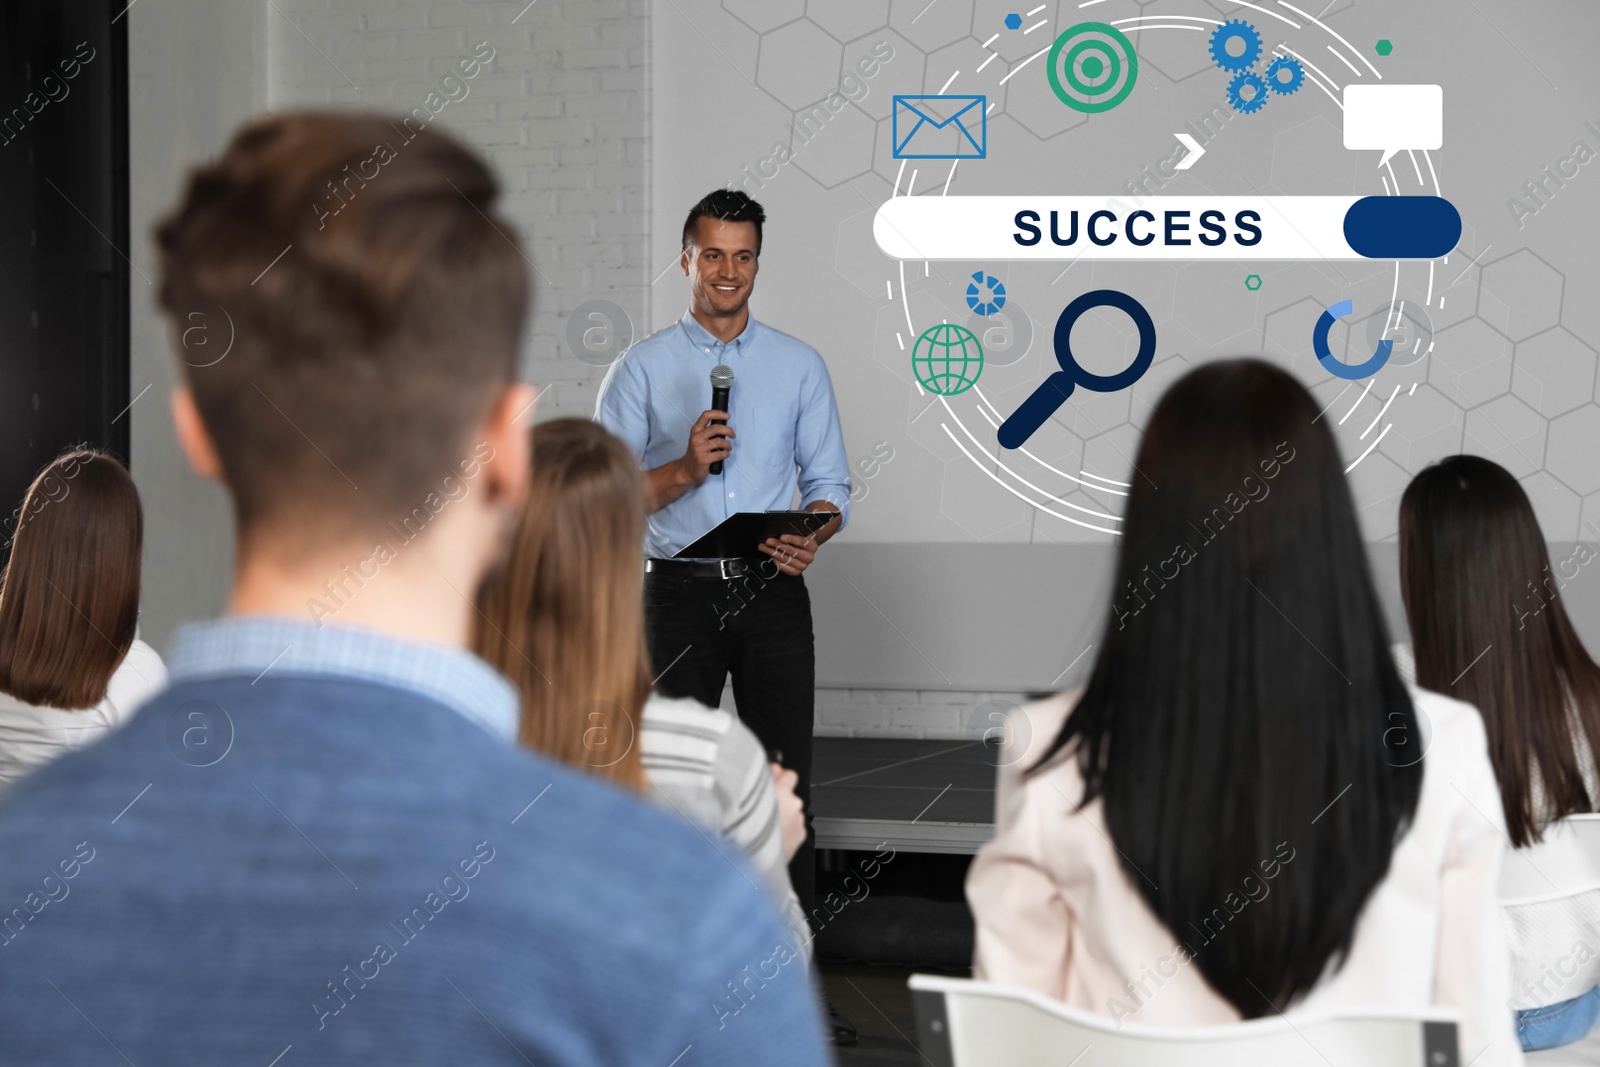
(725, 569)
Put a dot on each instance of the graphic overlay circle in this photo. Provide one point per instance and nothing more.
(1243, 51)
(1054, 390)
(1006, 732)
(947, 359)
(199, 732)
(1285, 75)
(1249, 41)
(1006, 335)
(1402, 747)
(1410, 330)
(598, 332)
(986, 294)
(608, 733)
(1092, 67)
(205, 337)
(1247, 105)
(1350, 372)
(1111, 298)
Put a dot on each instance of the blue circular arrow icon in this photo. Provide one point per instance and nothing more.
(1348, 371)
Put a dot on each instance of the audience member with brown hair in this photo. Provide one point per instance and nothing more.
(322, 844)
(563, 618)
(1488, 626)
(71, 667)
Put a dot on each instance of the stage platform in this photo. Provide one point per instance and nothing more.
(918, 796)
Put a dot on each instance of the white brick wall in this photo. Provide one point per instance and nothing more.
(563, 110)
(932, 713)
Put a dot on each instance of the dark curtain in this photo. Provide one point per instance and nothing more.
(64, 278)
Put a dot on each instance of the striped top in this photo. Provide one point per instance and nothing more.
(707, 766)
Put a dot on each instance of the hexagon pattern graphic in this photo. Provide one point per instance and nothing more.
(798, 64)
(765, 15)
(848, 19)
(1527, 289)
(1504, 376)
(1554, 372)
(931, 26)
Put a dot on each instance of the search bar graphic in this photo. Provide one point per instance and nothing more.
(1216, 228)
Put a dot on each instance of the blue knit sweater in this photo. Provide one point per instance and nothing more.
(366, 876)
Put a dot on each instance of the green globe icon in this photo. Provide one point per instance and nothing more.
(947, 359)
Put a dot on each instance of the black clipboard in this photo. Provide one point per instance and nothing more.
(738, 535)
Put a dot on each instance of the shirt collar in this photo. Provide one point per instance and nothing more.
(704, 340)
(255, 644)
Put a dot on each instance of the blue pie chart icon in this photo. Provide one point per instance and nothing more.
(985, 294)
(1348, 371)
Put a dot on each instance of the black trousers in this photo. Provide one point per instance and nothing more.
(758, 628)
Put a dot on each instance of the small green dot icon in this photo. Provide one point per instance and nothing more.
(1385, 46)
(1252, 282)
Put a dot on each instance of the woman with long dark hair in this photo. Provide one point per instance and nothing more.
(71, 664)
(1488, 626)
(1230, 820)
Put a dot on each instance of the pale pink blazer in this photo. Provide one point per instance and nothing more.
(1056, 913)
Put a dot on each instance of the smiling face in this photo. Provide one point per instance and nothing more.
(721, 264)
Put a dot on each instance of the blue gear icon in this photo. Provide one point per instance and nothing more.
(1257, 101)
(1242, 31)
(1275, 71)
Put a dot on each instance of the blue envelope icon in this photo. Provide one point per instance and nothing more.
(940, 127)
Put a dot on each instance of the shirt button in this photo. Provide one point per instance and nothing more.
(730, 495)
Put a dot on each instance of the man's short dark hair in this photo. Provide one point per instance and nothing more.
(725, 205)
(374, 301)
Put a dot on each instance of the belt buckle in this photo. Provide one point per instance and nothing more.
(725, 568)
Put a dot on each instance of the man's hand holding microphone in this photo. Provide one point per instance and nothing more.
(710, 443)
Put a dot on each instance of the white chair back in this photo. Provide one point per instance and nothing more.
(1565, 863)
(963, 1023)
(1550, 903)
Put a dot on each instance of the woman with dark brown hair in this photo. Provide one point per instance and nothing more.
(71, 667)
(1488, 627)
(1224, 823)
(563, 617)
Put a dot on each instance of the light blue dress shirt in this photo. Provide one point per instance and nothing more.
(258, 644)
(781, 407)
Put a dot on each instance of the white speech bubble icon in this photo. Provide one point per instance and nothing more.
(1392, 118)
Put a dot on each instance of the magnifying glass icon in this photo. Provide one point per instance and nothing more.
(1054, 390)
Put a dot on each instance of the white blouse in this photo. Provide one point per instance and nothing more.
(31, 734)
(1056, 912)
(1553, 955)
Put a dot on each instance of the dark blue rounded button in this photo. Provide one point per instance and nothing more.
(1402, 227)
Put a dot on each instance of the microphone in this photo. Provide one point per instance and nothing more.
(721, 382)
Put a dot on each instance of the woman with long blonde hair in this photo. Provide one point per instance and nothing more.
(563, 617)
